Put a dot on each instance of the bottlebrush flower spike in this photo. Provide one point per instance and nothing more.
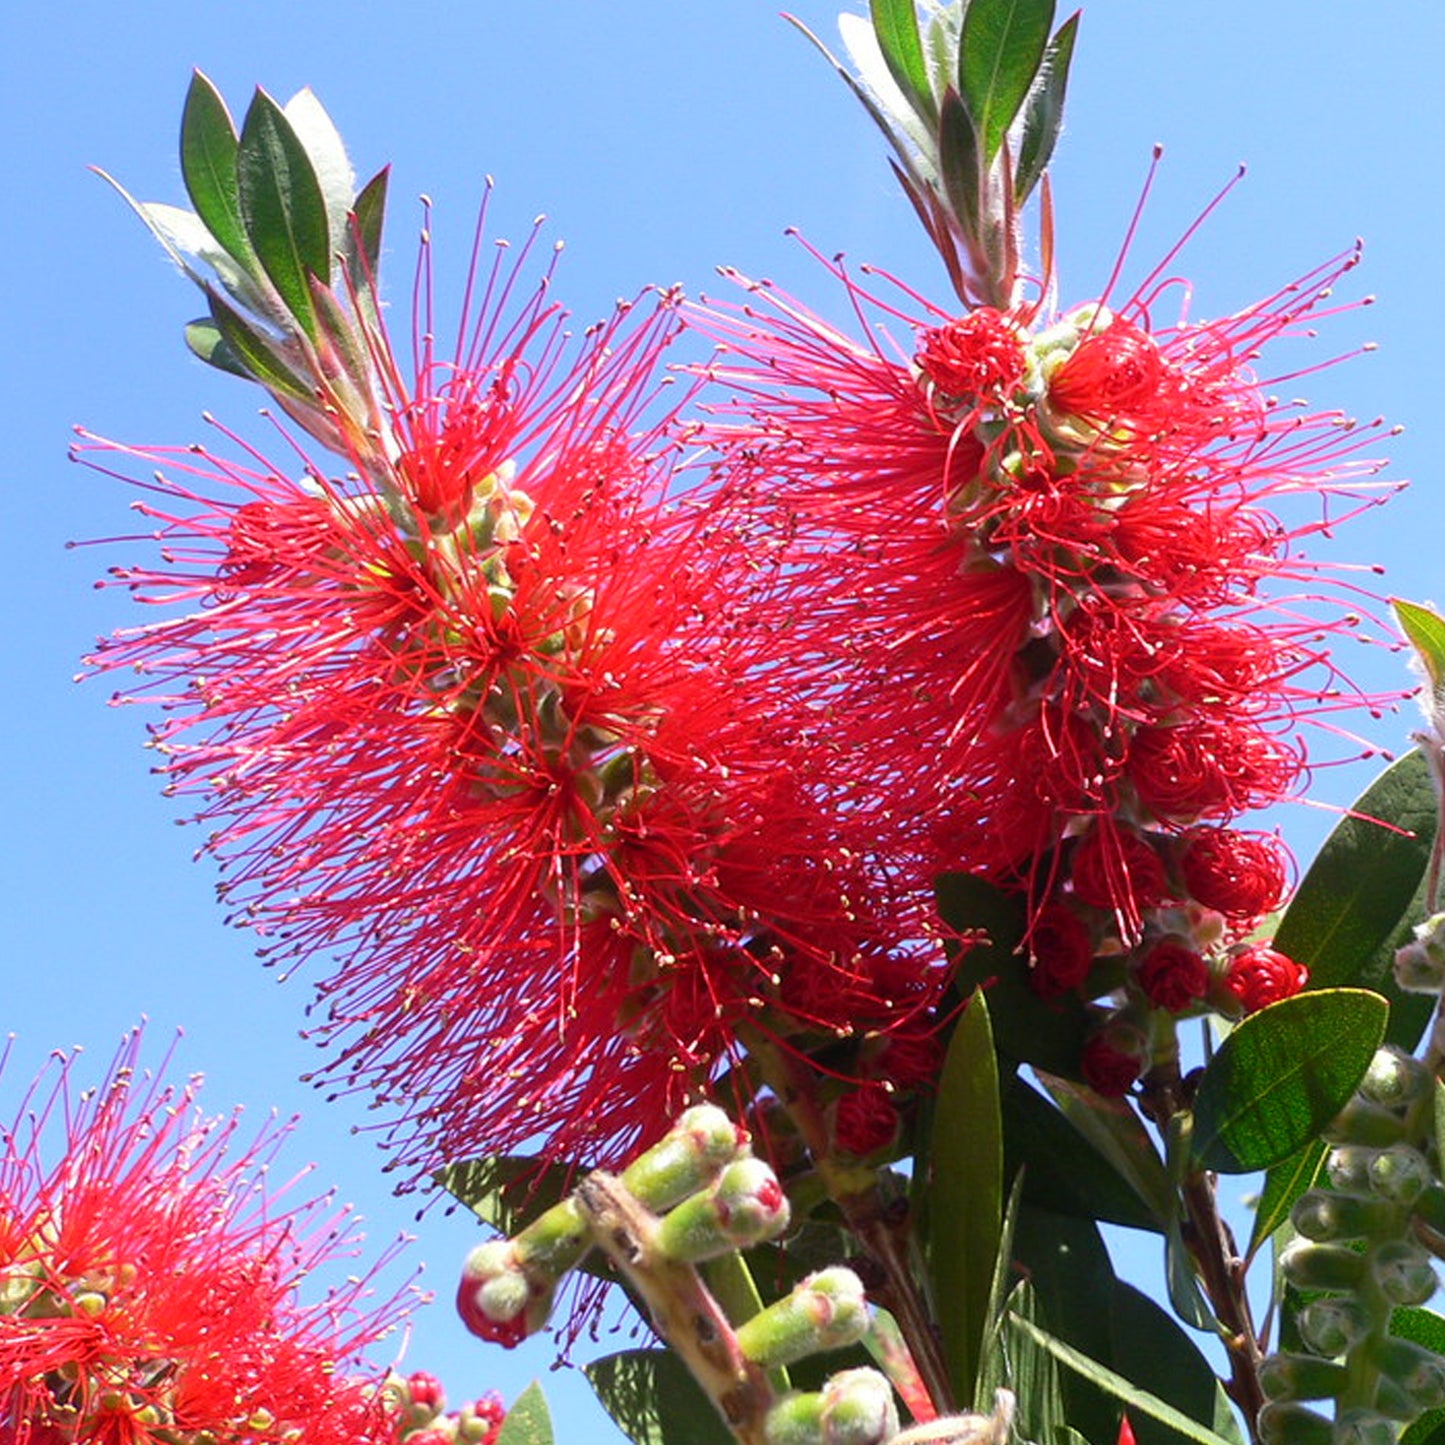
(149, 1285)
(1048, 594)
(476, 716)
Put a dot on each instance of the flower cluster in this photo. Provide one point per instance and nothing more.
(482, 716)
(149, 1283)
(1052, 605)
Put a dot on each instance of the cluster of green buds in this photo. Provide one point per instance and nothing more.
(697, 1196)
(1362, 1254)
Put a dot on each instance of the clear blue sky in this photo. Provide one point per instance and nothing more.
(662, 137)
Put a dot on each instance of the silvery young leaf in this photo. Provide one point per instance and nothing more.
(1043, 111)
(282, 207)
(874, 71)
(204, 338)
(209, 147)
(895, 23)
(529, 1421)
(1282, 1075)
(327, 152)
(1002, 44)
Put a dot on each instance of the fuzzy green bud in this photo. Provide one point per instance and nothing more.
(1404, 1273)
(1418, 970)
(1364, 1427)
(1302, 1377)
(745, 1207)
(1366, 1123)
(1320, 1214)
(1332, 1326)
(689, 1157)
(1348, 1168)
(551, 1245)
(1430, 1207)
(1419, 1372)
(854, 1407)
(1396, 1079)
(1283, 1422)
(1322, 1266)
(1401, 1174)
(827, 1311)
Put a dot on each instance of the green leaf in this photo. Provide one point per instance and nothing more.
(282, 207)
(1425, 629)
(324, 148)
(1137, 1400)
(1031, 1373)
(209, 148)
(1282, 1075)
(1043, 111)
(654, 1400)
(1363, 892)
(1115, 1130)
(1061, 1169)
(966, 1199)
(1026, 1029)
(999, 54)
(204, 338)
(255, 351)
(507, 1191)
(529, 1421)
(1284, 1184)
(959, 163)
(895, 23)
(368, 213)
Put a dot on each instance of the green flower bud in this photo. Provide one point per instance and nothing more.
(1330, 1327)
(692, 1154)
(551, 1245)
(1417, 970)
(1419, 1372)
(1430, 1207)
(1283, 1422)
(746, 1206)
(854, 1407)
(1321, 1214)
(1322, 1266)
(1394, 1402)
(1348, 1168)
(1364, 1427)
(1396, 1079)
(1404, 1273)
(1401, 1174)
(1302, 1377)
(1364, 1122)
(825, 1312)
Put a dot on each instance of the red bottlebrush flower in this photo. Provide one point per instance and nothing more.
(1241, 875)
(1061, 951)
(1114, 1060)
(865, 1120)
(1112, 864)
(1173, 976)
(483, 717)
(149, 1289)
(1050, 599)
(1259, 976)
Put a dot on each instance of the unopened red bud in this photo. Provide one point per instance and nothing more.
(1259, 976)
(826, 1311)
(746, 1206)
(495, 1298)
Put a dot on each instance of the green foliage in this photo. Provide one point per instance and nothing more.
(999, 54)
(1043, 114)
(529, 1421)
(1284, 1184)
(1361, 895)
(507, 1191)
(654, 1400)
(1425, 629)
(1282, 1075)
(966, 1192)
(209, 147)
(895, 23)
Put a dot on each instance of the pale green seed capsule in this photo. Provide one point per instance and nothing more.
(1364, 1122)
(1348, 1168)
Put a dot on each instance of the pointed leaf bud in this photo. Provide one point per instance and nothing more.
(826, 1311)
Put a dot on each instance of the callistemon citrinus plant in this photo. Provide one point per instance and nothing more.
(826, 728)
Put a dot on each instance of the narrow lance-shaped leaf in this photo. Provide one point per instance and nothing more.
(966, 1199)
(1282, 1075)
(282, 207)
(528, 1422)
(1002, 44)
(654, 1400)
(255, 351)
(209, 149)
(1425, 629)
(895, 22)
(959, 161)
(204, 338)
(1284, 1184)
(1043, 111)
(326, 151)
